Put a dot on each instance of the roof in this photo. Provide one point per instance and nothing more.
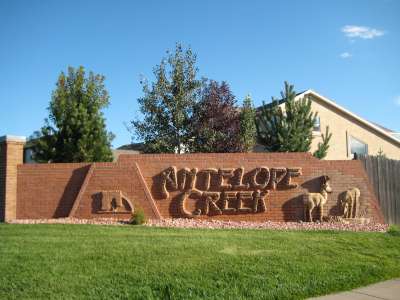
(387, 133)
(396, 135)
(280, 101)
(384, 128)
(12, 138)
(133, 146)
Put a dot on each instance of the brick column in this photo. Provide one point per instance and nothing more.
(11, 155)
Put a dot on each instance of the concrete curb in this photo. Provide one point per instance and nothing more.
(386, 290)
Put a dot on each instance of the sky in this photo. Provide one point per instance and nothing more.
(348, 51)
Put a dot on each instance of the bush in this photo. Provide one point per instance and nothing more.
(394, 230)
(138, 217)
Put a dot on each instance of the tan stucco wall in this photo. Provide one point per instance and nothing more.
(342, 126)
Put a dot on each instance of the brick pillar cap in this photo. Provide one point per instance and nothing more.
(12, 138)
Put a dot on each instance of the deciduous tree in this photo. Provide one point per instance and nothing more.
(167, 104)
(216, 123)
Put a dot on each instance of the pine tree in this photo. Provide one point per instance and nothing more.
(167, 104)
(323, 147)
(75, 130)
(288, 129)
(247, 125)
(215, 123)
(380, 154)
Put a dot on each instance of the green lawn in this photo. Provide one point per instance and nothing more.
(134, 262)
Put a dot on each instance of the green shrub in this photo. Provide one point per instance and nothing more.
(138, 217)
(394, 230)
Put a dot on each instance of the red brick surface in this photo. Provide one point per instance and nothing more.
(3, 158)
(48, 190)
(11, 154)
(59, 190)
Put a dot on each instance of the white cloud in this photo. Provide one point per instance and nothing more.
(345, 55)
(361, 32)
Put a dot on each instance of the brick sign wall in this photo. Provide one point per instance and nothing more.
(11, 155)
(253, 186)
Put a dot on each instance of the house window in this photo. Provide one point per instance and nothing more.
(317, 124)
(357, 146)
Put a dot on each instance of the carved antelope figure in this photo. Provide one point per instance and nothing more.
(350, 202)
(111, 201)
(313, 200)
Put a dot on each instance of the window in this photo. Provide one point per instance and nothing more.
(317, 124)
(357, 146)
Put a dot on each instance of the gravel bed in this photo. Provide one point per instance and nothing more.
(215, 224)
(97, 221)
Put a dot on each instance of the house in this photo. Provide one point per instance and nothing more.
(350, 133)
(134, 148)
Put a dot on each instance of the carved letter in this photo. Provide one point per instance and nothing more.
(238, 180)
(253, 179)
(259, 201)
(182, 199)
(168, 177)
(208, 173)
(225, 173)
(292, 172)
(275, 178)
(210, 203)
(244, 195)
(227, 196)
(189, 178)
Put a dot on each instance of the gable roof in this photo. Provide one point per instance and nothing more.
(384, 128)
(280, 101)
(383, 131)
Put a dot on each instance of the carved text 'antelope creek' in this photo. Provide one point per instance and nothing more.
(225, 190)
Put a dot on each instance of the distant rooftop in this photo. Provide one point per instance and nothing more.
(132, 147)
(384, 128)
(280, 101)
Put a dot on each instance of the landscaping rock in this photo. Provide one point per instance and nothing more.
(217, 224)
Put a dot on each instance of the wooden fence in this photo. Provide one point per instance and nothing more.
(384, 175)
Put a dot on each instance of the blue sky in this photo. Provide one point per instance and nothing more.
(349, 51)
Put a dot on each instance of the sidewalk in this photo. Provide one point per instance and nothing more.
(387, 290)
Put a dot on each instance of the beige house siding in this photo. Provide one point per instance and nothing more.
(343, 126)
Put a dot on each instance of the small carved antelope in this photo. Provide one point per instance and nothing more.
(111, 201)
(313, 200)
(350, 202)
